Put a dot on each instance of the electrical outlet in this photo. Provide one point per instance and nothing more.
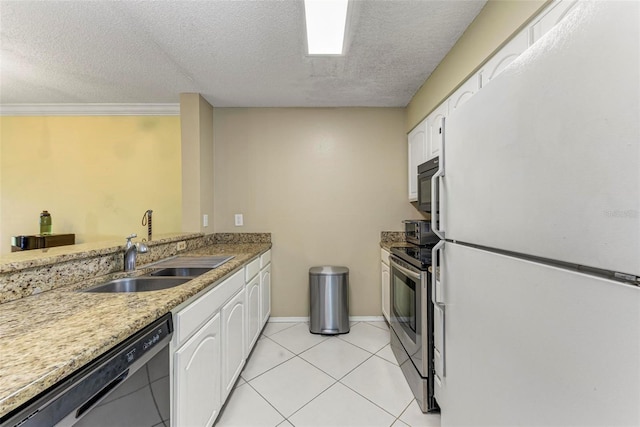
(239, 220)
(205, 220)
(181, 246)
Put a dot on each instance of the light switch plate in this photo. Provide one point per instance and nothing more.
(205, 220)
(239, 220)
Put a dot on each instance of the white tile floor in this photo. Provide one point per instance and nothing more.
(295, 378)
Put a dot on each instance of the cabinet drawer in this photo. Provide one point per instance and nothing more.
(252, 269)
(265, 259)
(192, 317)
(384, 256)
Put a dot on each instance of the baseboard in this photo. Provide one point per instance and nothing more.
(288, 319)
(306, 319)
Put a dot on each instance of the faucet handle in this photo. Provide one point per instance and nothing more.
(128, 244)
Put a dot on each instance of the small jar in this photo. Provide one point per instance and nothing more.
(45, 223)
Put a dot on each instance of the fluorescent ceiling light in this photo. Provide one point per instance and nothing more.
(326, 21)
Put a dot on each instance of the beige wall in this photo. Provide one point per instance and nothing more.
(95, 175)
(324, 182)
(493, 26)
(196, 116)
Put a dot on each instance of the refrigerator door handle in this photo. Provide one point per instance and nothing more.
(436, 277)
(437, 283)
(435, 188)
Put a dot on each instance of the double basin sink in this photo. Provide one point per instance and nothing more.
(166, 274)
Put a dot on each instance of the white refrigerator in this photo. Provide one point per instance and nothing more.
(537, 299)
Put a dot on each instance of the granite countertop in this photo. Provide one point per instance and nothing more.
(48, 336)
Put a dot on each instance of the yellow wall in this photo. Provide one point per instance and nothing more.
(324, 182)
(95, 175)
(493, 26)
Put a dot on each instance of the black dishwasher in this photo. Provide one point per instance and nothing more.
(127, 386)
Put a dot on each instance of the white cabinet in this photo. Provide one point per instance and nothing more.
(385, 276)
(505, 56)
(254, 319)
(197, 377)
(464, 93)
(265, 293)
(417, 150)
(549, 17)
(213, 336)
(232, 318)
(435, 132)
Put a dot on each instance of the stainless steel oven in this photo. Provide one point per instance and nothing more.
(412, 324)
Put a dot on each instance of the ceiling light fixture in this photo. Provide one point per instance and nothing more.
(326, 21)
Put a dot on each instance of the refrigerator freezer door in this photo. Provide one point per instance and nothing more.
(545, 160)
(532, 345)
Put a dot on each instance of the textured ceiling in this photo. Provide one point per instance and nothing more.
(235, 53)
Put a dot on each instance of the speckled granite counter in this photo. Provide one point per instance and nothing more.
(392, 238)
(47, 336)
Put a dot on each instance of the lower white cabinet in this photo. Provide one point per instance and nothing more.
(198, 382)
(233, 341)
(265, 294)
(385, 276)
(254, 319)
(213, 336)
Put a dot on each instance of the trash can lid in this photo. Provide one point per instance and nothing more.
(328, 270)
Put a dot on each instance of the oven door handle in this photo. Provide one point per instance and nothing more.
(403, 270)
(435, 188)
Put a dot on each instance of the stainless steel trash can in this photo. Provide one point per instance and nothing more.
(329, 300)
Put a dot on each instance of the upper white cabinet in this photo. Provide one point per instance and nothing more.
(464, 93)
(425, 140)
(505, 56)
(549, 18)
(417, 154)
(434, 121)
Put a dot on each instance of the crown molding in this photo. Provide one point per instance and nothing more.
(90, 109)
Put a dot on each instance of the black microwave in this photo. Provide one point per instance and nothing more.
(426, 171)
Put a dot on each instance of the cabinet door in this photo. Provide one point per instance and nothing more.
(197, 377)
(417, 154)
(386, 280)
(254, 319)
(265, 294)
(505, 56)
(464, 92)
(549, 18)
(434, 125)
(233, 341)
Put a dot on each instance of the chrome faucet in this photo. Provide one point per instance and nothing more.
(130, 252)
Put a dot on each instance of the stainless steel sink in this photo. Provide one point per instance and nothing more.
(138, 284)
(180, 271)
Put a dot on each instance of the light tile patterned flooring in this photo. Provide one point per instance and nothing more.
(297, 378)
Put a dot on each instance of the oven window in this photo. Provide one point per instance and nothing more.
(404, 301)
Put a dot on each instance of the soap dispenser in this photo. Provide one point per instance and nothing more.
(45, 223)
